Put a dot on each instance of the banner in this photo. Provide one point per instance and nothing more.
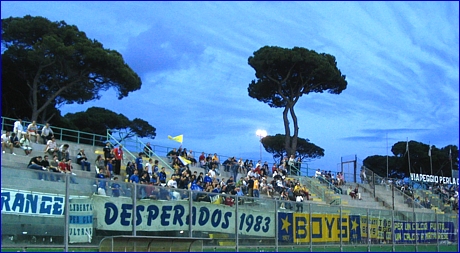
(156, 215)
(433, 179)
(31, 203)
(178, 138)
(80, 220)
(295, 227)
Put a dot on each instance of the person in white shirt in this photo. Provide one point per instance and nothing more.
(47, 133)
(318, 173)
(32, 130)
(172, 183)
(51, 147)
(149, 167)
(5, 141)
(18, 129)
(25, 144)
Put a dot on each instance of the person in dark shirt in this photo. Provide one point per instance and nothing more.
(116, 188)
(101, 183)
(107, 151)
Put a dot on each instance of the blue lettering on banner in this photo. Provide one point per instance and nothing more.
(116, 214)
(30, 203)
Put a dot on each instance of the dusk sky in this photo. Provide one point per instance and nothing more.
(401, 61)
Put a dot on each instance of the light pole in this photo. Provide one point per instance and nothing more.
(261, 134)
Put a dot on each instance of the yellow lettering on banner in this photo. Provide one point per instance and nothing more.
(325, 228)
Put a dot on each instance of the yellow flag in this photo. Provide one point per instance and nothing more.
(177, 138)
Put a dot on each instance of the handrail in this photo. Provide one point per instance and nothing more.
(61, 134)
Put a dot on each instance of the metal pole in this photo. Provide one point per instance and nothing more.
(190, 213)
(393, 230)
(415, 221)
(276, 226)
(368, 232)
(437, 237)
(310, 227)
(236, 225)
(340, 225)
(134, 208)
(66, 213)
(387, 157)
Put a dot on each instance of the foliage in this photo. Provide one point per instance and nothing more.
(398, 164)
(274, 144)
(47, 64)
(98, 120)
(284, 75)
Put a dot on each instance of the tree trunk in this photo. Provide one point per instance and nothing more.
(287, 131)
(296, 132)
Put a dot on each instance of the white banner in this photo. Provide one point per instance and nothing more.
(80, 220)
(433, 179)
(156, 215)
(31, 203)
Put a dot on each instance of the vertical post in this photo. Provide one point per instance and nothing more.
(237, 225)
(66, 213)
(393, 196)
(310, 227)
(340, 225)
(393, 230)
(415, 222)
(134, 208)
(437, 236)
(190, 213)
(368, 232)
(276, 226)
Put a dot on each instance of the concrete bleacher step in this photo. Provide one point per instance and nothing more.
(227, 243)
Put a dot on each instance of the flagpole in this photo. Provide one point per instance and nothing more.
(387, 156)
(431, 162)
(450, 158)
(408, 154)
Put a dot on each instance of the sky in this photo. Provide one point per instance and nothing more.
(401, 61)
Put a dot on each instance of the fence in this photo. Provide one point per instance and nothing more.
(56, 214)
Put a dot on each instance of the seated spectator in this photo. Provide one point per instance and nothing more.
(63, 152)
(215, 160)
(25, 144)
(35, 163)
(14, 143)
(117, 190)
(32, 130)
(357, 194)
(18, 129)
(47, 133)
(351, 192)
(100, 163)
(5, 141)
(51, 147)
(83, 161)
(202, 160)
(191, 158)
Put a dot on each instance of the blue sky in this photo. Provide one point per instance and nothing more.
(401, 60)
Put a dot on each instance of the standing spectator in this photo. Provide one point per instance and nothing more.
(83, 161)
(101, 183)
(148, 151)
(138, 163)
(149, 167)
(251, 187)
(172, 154)
(18, 128)
(118, 152)
(32, 130)
(5, 141)
(363, 176)
(134, 178)
(25, 144)
(116, 188)
(109, 167)
(107, 151)
(64, 152)
(51, 147)
(255, 188)
(47, 133)
(299, 204)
